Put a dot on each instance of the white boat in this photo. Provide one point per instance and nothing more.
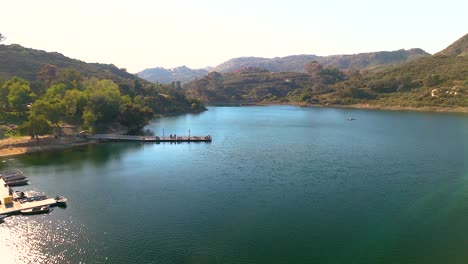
(36, 210)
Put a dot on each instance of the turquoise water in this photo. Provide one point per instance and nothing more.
(278, 184)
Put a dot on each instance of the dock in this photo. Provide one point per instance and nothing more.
(11, 206)
(173, 139)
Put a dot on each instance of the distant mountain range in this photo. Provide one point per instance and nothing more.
(342, 62)
(166, 76)
(16, 60)
(295, 63)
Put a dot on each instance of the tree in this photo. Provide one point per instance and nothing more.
(56, 91)
(104, 100)
(135, 116)
(75, 102)
(35, 126)
(54, 110)
(88, 119)
(18, 95)
(71, 78)
(4, 91)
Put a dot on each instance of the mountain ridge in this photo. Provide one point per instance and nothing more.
(183, 74)
(458, 48)
(16, 60)
(291, 63)
(296, 63)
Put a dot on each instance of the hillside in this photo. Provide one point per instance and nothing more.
(295, 63)
(458, 48)
(16, 60)
(40, 91)
(250, 85)
(167, 76)
(440, 80)
(342, 62)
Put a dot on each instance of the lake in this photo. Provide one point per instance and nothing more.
(278, 184)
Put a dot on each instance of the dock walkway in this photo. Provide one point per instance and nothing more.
(16, 206)
(115, 137)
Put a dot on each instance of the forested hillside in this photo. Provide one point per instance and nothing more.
(38, 95)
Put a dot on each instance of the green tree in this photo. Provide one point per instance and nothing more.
(75, 102)
(71, 78)
(88, 119)
(4, 91)
(135, 116)
(19, 95)
(104, 100)
(56, 91)
(54, 110)
(36, 125)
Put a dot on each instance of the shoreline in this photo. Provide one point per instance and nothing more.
(23, 145)
(429, 109)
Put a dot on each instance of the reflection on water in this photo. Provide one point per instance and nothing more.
(97, 155)
(44, 239)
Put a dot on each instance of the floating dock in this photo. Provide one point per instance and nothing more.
(174, 139)
(10, 206)
(13, 178)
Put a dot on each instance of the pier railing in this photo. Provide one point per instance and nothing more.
(115, 137)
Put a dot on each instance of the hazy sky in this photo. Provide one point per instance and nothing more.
(142, 34)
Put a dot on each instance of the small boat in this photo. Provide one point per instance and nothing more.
(14, 177)
(32, 199)
(351, 119)
(61, 200)
(10, 172)
(36, 210)
(19, 195)
(17, 182)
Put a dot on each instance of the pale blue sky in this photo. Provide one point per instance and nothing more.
(142, 34)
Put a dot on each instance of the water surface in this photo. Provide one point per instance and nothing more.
(278, 184)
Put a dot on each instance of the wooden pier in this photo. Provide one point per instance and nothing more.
(174, 139)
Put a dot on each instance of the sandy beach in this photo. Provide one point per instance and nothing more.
(22, 145)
